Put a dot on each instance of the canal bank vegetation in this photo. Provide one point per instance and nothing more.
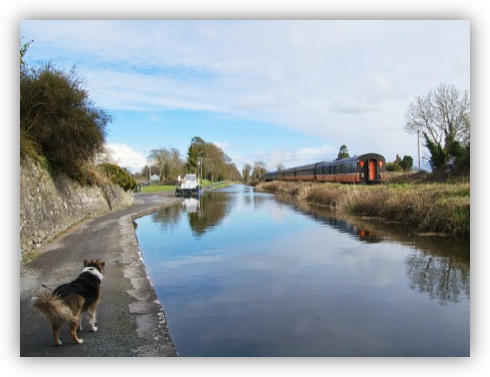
(206, 184)
(427, 207)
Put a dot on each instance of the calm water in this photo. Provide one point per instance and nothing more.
(241, 273)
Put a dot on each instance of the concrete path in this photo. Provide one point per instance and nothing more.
(130, 319)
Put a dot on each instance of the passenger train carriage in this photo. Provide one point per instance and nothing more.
(366, 168)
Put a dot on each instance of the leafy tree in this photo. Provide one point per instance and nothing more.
(400, 164)
(459, 158)
(233, 172)
(343, 152)
(406, 163)
(216, 165)
(443, 118)
(195, 152)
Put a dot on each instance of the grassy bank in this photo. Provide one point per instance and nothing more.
(205, 184)
(157, 188)
(430, 207)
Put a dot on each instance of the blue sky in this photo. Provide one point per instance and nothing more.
(289, 92)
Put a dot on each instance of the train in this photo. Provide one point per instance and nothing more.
(369, 168)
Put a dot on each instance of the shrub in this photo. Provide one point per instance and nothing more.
(119, 176)
(58, 120)
(393, 166)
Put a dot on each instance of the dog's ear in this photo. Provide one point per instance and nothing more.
(100, 264)
(88, 262)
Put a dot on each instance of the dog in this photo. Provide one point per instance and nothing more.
(66, 303)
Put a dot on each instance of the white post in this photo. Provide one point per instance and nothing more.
(418, 146)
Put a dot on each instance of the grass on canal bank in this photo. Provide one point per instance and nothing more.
(205, 184)
(431, 207)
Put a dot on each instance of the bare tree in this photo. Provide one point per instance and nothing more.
(246, 172)
(162, 158)
(258, 170)
(443, 118)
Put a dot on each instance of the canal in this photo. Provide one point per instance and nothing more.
(243, 273)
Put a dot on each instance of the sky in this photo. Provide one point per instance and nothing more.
(276, 91)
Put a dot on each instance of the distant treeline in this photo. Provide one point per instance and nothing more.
(203, 158)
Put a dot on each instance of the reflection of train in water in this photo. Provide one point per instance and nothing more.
(366, 168)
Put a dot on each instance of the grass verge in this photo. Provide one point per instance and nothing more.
(158, 188)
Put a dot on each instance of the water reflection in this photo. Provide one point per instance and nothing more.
(192, 205)
(439, 266)
(166, 218)
(443, 279)
(242, 273)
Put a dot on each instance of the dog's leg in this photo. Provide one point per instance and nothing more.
(56, 334)
(73, 332)
(80, 323)
(92, 312)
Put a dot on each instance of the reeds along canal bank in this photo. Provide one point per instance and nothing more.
(428, 207)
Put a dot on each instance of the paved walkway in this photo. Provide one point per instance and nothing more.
(131, 321)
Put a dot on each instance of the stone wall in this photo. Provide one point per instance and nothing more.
(49, 206)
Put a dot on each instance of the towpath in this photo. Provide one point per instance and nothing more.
(130, 319)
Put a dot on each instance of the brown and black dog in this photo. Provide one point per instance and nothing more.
(66, 303)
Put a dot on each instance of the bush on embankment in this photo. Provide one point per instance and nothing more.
(118, 176)
(427, 207)
(59, 123)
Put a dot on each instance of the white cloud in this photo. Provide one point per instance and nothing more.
(221, 145)
(126, 157)
(286, 157)
(331, 79)
(232, 66)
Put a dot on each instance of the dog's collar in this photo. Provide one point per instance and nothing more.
(94, 271)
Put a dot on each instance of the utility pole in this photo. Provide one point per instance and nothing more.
(199, 171)
(418, 146)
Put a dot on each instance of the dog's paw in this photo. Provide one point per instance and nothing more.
(80, 327)
(80, 341)
(58, 343)
(94, 328)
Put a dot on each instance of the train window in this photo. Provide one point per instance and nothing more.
(361, 163)
(380, 163)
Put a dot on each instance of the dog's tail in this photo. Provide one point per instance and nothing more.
(51, 306)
